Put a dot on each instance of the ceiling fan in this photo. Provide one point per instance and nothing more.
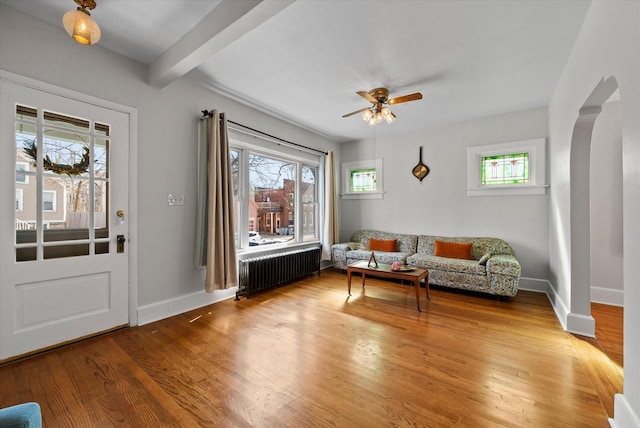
(379, 97)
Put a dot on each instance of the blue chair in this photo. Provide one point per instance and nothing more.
(25, 415)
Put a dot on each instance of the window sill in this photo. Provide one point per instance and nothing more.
(363, 195)
(511, 190)
(272, 248)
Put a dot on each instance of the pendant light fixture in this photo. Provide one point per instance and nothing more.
(79, 24)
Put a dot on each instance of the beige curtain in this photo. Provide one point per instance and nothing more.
(330, 232)
(215, 245)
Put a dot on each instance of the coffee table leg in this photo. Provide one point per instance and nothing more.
(416, 285)
(426, 285)
(349, 282)
(363, 278)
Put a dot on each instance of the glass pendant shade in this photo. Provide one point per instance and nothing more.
(387, 115)
(375, 116)
(367, 115)
(79, 25)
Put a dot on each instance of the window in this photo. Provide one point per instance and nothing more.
(22, 178)
(505, 169)
(19, 200)
(362, 179)
(73, 181)
(516, 168)
(49, 201)
(273, 192)
(310, 204)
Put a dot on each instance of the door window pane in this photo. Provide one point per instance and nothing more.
(100, 159)
(74, 183)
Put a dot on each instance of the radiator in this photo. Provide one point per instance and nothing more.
(263, 272)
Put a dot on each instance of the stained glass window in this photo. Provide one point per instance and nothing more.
(363, 180)
(505, 169)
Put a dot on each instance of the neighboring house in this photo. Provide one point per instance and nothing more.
(275, 207)
(54, 197)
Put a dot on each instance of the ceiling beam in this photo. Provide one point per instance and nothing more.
(227, 22)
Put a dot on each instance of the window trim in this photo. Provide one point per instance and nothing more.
(25, 174)
(54, 193)
(349, 167)
(535, 148)
(245, 149)
(19, 200)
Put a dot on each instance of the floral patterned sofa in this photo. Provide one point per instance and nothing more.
(358, 248)
(492, 268)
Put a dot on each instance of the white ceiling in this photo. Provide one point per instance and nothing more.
(304, 60)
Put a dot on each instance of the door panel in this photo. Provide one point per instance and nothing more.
(65, 163)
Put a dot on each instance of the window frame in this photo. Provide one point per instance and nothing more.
(536, 151)
(54, 194)
(22, 172)
(244, 149)
(19, 200)
(349, 167)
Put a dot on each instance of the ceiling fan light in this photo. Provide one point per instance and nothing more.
(79, 25)
(367, 115)
(375, 119)
(387, 115)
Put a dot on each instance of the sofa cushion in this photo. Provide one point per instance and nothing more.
(388, 245)
(453, 250)
(446, 264)
(481, 246)
(405, 244)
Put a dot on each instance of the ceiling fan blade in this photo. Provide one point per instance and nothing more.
(367, 96)
(356, 112)
(405, 98)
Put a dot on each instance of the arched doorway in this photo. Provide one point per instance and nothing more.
(579, 319)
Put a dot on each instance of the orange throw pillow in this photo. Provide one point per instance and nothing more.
(453, 250)
(382, 244)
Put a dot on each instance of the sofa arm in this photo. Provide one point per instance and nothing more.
(26, 415)
(339, 255)
(503, 264)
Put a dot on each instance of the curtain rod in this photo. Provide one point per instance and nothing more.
(210, 114)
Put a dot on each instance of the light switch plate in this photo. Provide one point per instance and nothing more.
(174, 200)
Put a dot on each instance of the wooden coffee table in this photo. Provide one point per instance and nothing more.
(384, 271)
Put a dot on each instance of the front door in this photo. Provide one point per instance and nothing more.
(64, 219)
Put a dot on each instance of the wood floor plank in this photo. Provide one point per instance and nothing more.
(308, 355)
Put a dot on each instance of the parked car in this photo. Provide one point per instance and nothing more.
(256, 239)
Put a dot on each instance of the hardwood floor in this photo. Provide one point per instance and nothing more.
(306, 355)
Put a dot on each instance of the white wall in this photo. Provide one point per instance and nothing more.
(606, 207)
(167, 142)
(439, 205)
(608, 45)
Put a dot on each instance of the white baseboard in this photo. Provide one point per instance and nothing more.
(533, 284)
(581, 324)
(178, 305)
(624, 416)
(558, 305)
(608, 296)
